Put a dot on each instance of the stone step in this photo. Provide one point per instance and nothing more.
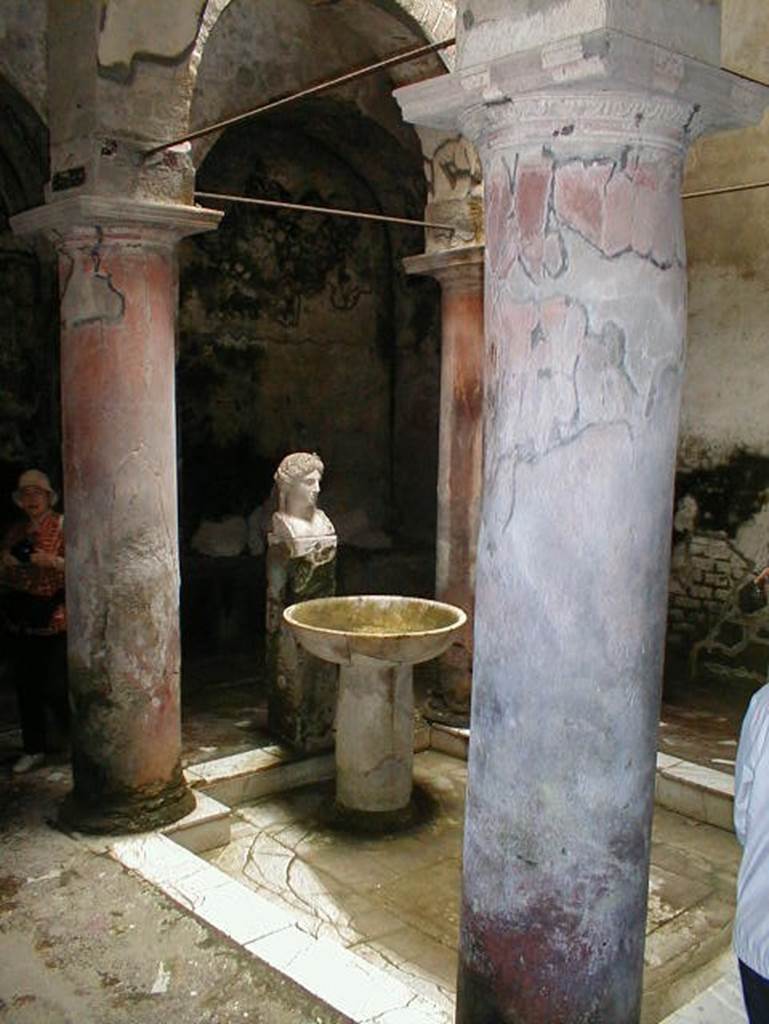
(695, 791)
(690, 789)
(720, 1003)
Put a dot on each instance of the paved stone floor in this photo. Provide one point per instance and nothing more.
(719, 1003)
(394, 900)
(702, 725)
(697, 724)
(82, 941)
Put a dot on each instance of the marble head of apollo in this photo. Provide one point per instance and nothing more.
(299, 523)
(298, 478)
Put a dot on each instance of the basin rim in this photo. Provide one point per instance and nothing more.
(395, 634)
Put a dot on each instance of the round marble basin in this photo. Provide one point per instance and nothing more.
(398, 630)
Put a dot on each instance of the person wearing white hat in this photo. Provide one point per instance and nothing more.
(33, 610)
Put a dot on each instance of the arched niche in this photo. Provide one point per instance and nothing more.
(300, 331)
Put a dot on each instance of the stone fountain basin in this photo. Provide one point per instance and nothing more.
(399, 630)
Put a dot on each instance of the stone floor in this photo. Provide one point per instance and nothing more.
(719, 1003)
(702, 725)
(697, 724)
(132, 955)
(82, 941)
(394, 901)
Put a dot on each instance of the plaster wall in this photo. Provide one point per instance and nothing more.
(723, 459)
(22, 49)
(29, 374)
(744, 38)
(29, 408)
(257, 54)
(281, 347)
(300, 331)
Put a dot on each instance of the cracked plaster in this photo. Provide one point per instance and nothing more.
(496, 28)
(127, 34)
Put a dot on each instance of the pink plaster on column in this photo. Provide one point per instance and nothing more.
(119, 299)
(579, 197)
(580, 438)
(620, 204)
(531, 197)
(585, 315)
(120, 479)
(460, 460)
(499, 210)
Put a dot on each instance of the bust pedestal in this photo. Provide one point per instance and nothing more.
(301, 689)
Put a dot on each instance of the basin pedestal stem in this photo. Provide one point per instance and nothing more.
(374, 735)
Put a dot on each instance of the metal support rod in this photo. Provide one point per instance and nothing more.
(350, 76)
(743, 76)
(302, 208)
(723, 190)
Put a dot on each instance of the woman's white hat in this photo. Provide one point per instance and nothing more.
(34, 478)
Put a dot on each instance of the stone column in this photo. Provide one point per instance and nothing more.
(582, 141)
(118, 283)
(460, 273)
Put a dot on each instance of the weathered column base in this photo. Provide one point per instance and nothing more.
(374, 737)
(135, 810)
(118, 280)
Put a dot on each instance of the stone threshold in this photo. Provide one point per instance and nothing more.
(693, 790)
(333, 974)
(169, 860)
(329, 972)
(719, 1003)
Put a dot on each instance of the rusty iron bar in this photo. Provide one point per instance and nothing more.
(724, 189)
(303, 208)
(743, 76)
(225, 197)
(331, 83)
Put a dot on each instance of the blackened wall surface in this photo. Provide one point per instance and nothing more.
(29, 379)
(301, 331)
(722, 486)
(287, 325)
(719, 546)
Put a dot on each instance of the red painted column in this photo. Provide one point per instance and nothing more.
(118, 283)
(460, 460)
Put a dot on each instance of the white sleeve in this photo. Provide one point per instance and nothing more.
(751, 756)
(743, 778)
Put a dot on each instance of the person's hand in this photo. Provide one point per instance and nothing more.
(8, 559)
(762, 577)
(45, 560)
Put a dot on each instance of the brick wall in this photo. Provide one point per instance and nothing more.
(710, 639)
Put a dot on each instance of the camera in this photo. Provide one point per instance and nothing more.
(22, 551)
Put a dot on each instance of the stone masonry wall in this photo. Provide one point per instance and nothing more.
(723, 457)
(710, 639)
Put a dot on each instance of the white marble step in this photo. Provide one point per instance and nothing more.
(696, 791)
(721, 1003)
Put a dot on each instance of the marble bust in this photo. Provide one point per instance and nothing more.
(299, 524)
(301, 565)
